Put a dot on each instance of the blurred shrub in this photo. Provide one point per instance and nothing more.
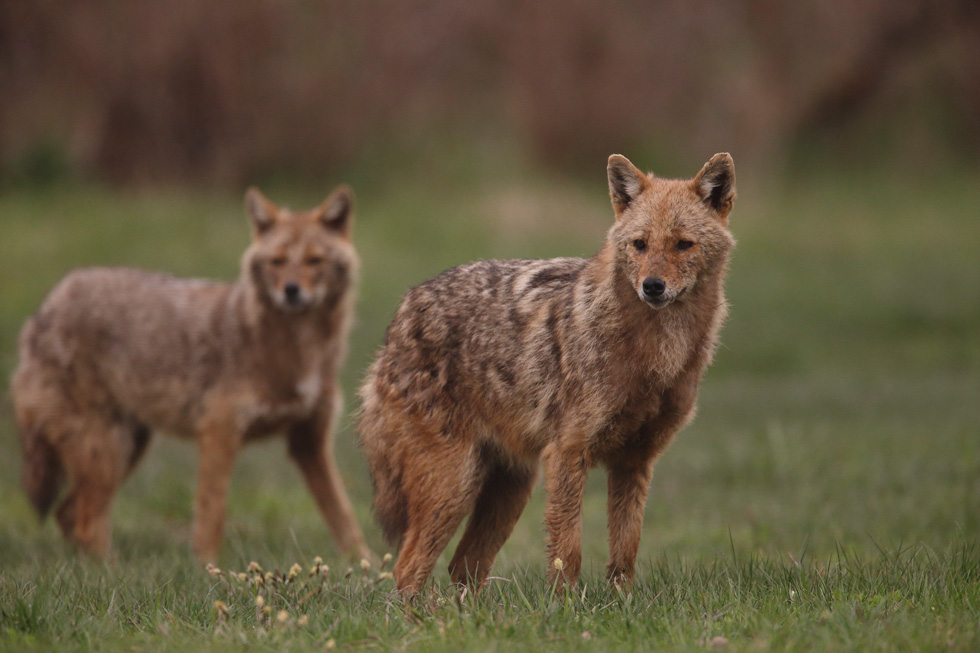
(225, 90)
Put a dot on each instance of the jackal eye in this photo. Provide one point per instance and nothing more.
(314, 260)
(277, 261)
(640, 244)
(684, 244)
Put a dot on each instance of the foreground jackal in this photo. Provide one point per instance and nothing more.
(491, 366)
(114, 354)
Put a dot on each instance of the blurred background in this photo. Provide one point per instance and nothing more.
(843, 407)
(234, 90)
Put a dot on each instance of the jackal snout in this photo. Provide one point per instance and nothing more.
(664, 281)
(658, 293)
(653, 289)
(293, 293)
(660, 273)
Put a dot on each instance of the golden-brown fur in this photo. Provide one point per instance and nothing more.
(115, 354)
(492, 366)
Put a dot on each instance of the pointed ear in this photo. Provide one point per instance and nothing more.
(626, 182)
(261, 212)
(715, 184)
(336, 209)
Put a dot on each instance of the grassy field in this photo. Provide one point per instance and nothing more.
(826, 497)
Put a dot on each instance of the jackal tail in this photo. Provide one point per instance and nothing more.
(390, 499)
(43, 472)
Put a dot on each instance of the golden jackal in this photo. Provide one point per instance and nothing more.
(115, 353)
(491, 366)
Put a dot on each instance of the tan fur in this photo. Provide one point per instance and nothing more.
(115, 354)
(492, 366)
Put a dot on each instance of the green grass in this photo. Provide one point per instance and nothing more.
(905, 597)
(826, 497)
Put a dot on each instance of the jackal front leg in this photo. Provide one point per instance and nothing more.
(566, 470)
(628, 485)
(310, 447)
(218, 443)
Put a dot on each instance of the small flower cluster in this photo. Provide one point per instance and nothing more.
(289, 591)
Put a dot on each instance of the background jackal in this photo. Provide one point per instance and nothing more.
(490, 366)
(114, 354)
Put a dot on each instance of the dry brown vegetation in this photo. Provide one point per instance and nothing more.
(224, 90)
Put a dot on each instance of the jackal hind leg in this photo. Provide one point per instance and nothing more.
(502, 499)
(139, 441)
(442, 487)
(94, 452)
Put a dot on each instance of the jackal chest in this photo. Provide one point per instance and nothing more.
(275, 407)
(308, 389)
(622, 417)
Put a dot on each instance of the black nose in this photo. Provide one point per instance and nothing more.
(654, 287)
(292, 292)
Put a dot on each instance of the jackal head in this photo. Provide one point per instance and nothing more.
(298, 261)
(670, 233)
